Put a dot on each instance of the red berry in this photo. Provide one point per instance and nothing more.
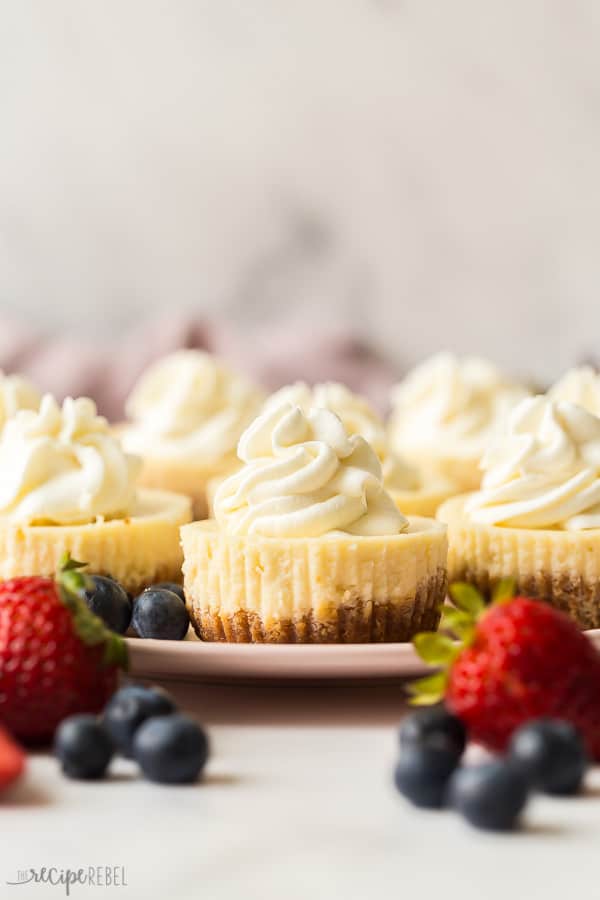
(52, 657)
(12, 759)
(527, 660)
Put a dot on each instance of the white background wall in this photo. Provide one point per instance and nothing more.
(428, 170)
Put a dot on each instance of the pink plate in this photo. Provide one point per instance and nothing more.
(194, 660)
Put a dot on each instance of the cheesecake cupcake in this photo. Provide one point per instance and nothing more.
(536, 518)
(412, 490)
(186, 415)
(445, 412)
(580, 386)
(308, 546)
(67, 486)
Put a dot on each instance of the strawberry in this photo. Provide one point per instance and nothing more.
(12, 760)
(56, 657)
(519, 659)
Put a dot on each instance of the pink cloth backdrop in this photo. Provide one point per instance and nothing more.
(273, 356)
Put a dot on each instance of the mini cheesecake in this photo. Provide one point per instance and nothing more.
(185, 416)
(338, 588)
(536, 518)
(68, 487)
(561, 567)
(137, 550)
(308, 546)
(444, 413)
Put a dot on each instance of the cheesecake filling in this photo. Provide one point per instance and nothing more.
(334, 588)
(543, 471)
(305, 476)
(189, 406)
(62, 466)
(450, 405)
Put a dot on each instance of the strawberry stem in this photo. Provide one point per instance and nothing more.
(437, 648)
(72, 584)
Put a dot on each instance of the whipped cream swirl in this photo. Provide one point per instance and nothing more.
(452, 404)
(580, 386)
(304, 476)
(63, 466)
(16, 393)
(358, 417)
(189, 405)
(544, 472)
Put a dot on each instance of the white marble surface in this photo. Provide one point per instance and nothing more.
(296, 803)
(425, 171)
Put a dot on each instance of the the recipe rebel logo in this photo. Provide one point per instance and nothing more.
(67, 879)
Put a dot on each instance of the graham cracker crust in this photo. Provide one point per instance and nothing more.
(572, 594)
(360, 622)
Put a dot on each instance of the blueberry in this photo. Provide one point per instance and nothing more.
(170, 586)
(159, 613)
(108, 600)
(422, 773)
(171, 749)
(129, 708)
(489, 796)
(551, 755)
(83, 747)
(433, 725)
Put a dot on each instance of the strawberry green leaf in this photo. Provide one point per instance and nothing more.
(67, 564)
(504, 590)
(91, 630)
(427, 691)
(435, 648)
(116, 652)
(467, 598)
(74, 581)
(458, 623)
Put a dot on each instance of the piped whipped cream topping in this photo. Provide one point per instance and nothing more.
(189, 404)
(544, 471)
(451, 404)
(63, 466)
(16, 392)
(358, 417)
(304, 476)
(580, 386)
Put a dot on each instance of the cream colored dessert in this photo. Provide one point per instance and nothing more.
(580, 386)
(186, 414)
(16, 393)
(412, 492)
(537, 516)
(66, 485)
(445, 412)
(308, 546)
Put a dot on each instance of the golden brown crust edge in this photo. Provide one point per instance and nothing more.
(359, 622)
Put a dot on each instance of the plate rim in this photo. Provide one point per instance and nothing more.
(196, 660)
